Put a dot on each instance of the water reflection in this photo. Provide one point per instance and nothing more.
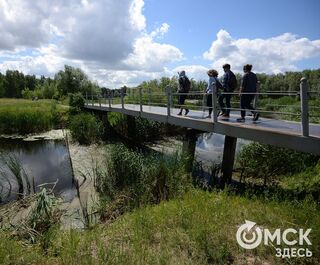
(209, 148)
(46, 161)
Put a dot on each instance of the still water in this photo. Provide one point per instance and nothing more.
(43, 161)
(209, 148)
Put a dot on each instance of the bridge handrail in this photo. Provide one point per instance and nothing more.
(169, 94)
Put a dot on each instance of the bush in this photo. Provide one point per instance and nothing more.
(76, 102)
(304, 183)
(85, 128)
(140, 129)
(266, 161)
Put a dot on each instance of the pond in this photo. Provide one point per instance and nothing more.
(40, 162)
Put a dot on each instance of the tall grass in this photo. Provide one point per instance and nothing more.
(199, 228)
(133, 179)
(26, 116)
(24, 182)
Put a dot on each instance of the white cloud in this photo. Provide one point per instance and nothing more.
(106, 38)
(197, 72)
(152, 56)
(273, 55)
(161, 31)
(21, 24)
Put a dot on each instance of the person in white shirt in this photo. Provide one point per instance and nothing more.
(213, 85)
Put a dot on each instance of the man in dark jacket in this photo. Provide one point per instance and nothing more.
(248, 85)
(184, 87)
(229, 82)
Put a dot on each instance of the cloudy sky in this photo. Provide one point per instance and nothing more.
(124, 42)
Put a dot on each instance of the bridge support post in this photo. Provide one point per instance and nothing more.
(304, 107)
(189, 147)
(228, 158)
(131, 127)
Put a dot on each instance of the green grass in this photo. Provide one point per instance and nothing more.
(200, 228)
(26, 116)
(290, 105)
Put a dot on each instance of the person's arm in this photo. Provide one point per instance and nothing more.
(244, 82)
(225, 81)
(210, 85)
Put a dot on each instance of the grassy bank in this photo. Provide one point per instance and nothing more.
(26, 116)
(200, 228)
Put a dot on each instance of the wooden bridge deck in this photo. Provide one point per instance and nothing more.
(269, 131)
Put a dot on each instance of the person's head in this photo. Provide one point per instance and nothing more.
(182, 73)
(212, 72)
(226, 67)
(247, 68)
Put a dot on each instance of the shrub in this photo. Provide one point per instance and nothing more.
(85, 128)
(266, 161)
(136, 127)
(304, 183)
(76, 102)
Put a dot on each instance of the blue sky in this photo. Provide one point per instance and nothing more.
(124, 42)
(193, 24)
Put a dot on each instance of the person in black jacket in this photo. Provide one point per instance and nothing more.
(229, 83)
(184, 87)
(248, 85)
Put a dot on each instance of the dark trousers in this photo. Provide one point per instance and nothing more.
(246, 103)
(227, 99)
(209, 103)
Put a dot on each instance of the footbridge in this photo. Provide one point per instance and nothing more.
(298, 135)
(301, 136)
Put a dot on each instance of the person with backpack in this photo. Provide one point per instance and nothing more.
(184, 87)
(229, 84)
(248, 89)
(213, 85)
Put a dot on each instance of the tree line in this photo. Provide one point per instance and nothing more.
(14, 84)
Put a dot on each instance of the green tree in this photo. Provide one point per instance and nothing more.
(2, 90)
(72, 80)
(14, 84)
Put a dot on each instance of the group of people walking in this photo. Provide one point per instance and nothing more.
(225, 89)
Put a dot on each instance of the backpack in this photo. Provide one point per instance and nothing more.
(233, 84)
(218, 84)
(186, 84)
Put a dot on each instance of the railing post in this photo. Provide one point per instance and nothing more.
(140, 98)
(99, 99)
(304, 106)
(109, 98)
(214, 104)
(122, 99)
(168, 91)
(92, 99)
(86, 97)
(256, 97)
(150, 95)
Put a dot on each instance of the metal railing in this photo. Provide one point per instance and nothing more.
(146, 98)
